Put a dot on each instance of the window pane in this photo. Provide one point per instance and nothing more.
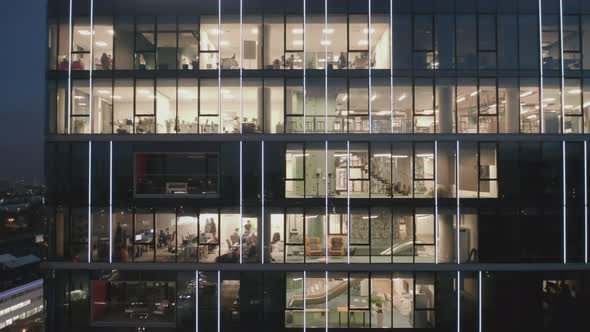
(144, 96)
(315, 41)
(402, 105)
(102, 106)
(380, 41)
(466, 42)
(230, 42)
(209, 42)
(274, 109)
(507, 43)
(445, 42)
(188, 45)
(252, 42)
(508, 107)
(445, 105)
(529, 106)
(188, 106)
(123, 106)
(402, 41)
(401, 169)
(337, 33)
(252, 105)
(209, 106)
(103, 44)
(468, 181)
(528, 41)
(166, 50)
(166, 106)
(274, 42)
(124, 30)
(381, 105)
(552, 105)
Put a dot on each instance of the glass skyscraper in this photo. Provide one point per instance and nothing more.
(258, 165)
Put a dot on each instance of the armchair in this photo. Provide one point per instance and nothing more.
(337, 246)
(313, 246)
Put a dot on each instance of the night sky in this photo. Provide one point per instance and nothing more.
(22, 87)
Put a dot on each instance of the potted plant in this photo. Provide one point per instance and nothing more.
(378, 301)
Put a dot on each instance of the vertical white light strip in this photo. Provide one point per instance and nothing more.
(89, 201)
(90, 122)
(110, 201)
(69, 94)
(479, 301)
(563, 175)
(241, 128)
(327, 218)
(262, 202)
(562, 69)
(585, 202)
(326, 191)
(304, 76)
(241, 203)
(197, 301)
(435, 202)
(348, 200)
(391, 64)
(218, 301)
(370, 81)
(304, 298)
(219, 68)
(458, 301)
(541, 108)
(327, 298)
(325, 34)
(241, 67)
(458, 218)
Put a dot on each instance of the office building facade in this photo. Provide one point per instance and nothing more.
(256, 165)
